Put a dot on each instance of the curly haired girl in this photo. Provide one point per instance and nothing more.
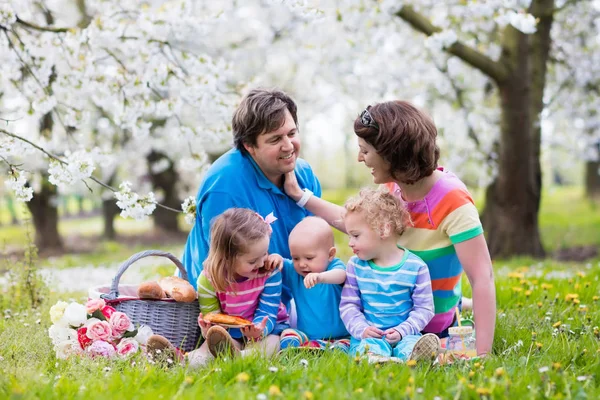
(387, 298)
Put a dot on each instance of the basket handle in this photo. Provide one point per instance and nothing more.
(114, 287)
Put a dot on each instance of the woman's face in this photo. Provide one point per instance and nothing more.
(380, 169)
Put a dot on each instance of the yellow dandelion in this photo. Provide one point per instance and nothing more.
(499, 372)
(535, 281)
(471, 386)
(411, 380)
(359, 390)
(556, 365)
(570, 281)
(411, 363)
(274, 390)
(471, 374)
(580, 274)
(516, 275)
(576, 301)
(539, 345)
(517, 289)
(583, 308)
(577, 286)
(319, 385)
(584, 351)
(477, 365)
(528, 293)
(595, 298)
(546, 286)
(571, 296)
(308, 395)
(540, 304)
(484, 391)
(188, 380)
(596, 331)
(557, 324)
(587, 284)
(533, 335)
(242, 377)
(524, 282)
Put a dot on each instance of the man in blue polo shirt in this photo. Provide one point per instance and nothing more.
(267, 144)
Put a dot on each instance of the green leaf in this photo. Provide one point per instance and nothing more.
(130, 333)
(98, 314)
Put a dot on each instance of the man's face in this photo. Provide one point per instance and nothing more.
(276, 152)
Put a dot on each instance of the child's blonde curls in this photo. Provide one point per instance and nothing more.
(385, 213)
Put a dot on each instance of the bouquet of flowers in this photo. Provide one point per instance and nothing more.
(95, 329)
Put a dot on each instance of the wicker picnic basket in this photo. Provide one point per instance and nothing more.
(178, 322)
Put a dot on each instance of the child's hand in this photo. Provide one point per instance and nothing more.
(255, 331)
(372, 332)
(204, 326)
(273, 261)
(311, 279)
(392, 336)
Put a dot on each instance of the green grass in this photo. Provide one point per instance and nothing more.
(546, 344)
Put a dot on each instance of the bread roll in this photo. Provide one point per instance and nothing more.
(150, 290)
(178, 289)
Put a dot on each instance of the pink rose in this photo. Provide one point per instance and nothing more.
(119, 323)
(101, 348)
(99, 330)
(94, 305)
(127, 346)
(107, 311)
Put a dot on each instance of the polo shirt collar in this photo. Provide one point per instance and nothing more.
(261, 179)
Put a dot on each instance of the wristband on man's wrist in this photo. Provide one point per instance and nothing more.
(304, 199)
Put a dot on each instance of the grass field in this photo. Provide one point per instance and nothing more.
(546, 345)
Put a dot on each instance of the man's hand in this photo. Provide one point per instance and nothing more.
(291, 186)
(273, 261)
(255, 331)
(372, 332)
(311, 279)
(204, 326)
(392, 336)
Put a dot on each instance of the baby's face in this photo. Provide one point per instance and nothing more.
(309, 256)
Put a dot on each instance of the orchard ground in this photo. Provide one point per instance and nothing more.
(546, 346)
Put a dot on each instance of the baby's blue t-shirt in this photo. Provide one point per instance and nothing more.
(318, 308)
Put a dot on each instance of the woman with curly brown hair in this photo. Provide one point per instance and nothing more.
(397, 142)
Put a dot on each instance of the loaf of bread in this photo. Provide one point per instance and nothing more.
(178, 289)
(150, 290)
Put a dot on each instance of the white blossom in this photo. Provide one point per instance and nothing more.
(189, 209)
(17, 182)
(132, 204)
(441, 40)
(7, 15)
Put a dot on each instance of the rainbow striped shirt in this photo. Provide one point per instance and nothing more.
(252, 299)
(445, 217)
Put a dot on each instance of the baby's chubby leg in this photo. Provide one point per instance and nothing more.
(199, 357)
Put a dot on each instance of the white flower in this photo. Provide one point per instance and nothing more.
(67, 348)
(144, 332)
(582, 378)
(78, 165)
(261, 396)
(441, 40)
(524, 22)
(7, 15)
(543, 369)
(132, 205)
(273, 369)
(189, 209)
(75, 315)
(59, 334)
(57, 311)
(16, 182)
(304, 363)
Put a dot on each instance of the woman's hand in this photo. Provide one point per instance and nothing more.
(291, 186)
(255, 331)
(273, 261)
(204, 326)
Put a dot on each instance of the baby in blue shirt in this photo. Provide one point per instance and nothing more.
(315, 278)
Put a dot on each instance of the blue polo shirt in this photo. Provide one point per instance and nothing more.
(317, 308)
(235, 180)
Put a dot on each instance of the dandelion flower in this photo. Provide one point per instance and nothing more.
(499, 371)
(242, 377)
(274, 390)
(557, 324)
(308, 395)
(411, 363)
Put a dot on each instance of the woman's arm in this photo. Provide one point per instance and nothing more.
(474, 256)
(332, 213)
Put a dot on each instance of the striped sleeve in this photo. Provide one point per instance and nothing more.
(422, 311)
(268, 303)
(351, 310)
(207, 296)
(461, 221)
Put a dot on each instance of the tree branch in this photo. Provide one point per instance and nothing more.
(40, 28)
(58, 159)
(474, 58)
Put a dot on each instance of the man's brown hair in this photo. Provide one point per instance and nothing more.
(261, 111)
(405, 138)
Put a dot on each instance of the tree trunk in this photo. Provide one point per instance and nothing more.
(592, 176)
(165, 181)
(45, 217)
